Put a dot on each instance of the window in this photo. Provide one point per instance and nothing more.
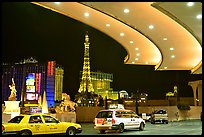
(105, 114)
(35, 119)
(49, 119)
(16, 119)
(126, 114)
(161, 112)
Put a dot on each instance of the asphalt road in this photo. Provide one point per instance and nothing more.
(187, 127)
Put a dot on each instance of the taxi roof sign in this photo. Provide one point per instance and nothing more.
(116, 106)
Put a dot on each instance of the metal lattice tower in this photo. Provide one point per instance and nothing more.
(86, 84)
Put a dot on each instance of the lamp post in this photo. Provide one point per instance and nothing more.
(23, 89)
(106, 103)
(136, 103)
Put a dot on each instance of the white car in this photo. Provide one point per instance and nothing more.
(118, 119)
(160, 116)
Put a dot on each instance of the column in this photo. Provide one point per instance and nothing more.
(194, 85)
(200, 93)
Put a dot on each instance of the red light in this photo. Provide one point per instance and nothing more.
(3, 128)
(113, 121)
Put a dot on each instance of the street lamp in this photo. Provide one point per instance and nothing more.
(136, 103)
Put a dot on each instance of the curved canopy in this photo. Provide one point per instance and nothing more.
(165, 34)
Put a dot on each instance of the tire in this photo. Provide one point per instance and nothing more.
(141, 128)
(121, 128)
(71, 131)
(102, 131)
(25, 132)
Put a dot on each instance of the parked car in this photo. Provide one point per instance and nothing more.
(118, 119)
(160, 116)
(36, 124)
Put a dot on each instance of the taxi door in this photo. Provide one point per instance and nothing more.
(36, 125)
(51, 125)
(135, 123)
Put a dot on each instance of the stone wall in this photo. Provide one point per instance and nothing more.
(87, 114)
(65, 116)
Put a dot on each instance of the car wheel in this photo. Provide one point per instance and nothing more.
(71, 131)
(25, 132)
(102, 131)
(121, 128)
(141, 126)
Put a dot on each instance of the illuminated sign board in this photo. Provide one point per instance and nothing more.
(31, 96)
(30, 87)
(30, 79)
(38, 82)
(34, 110)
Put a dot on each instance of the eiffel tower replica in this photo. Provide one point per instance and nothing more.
(86, 86)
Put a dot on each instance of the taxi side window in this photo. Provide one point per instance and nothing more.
(123, 114)
(16, 119)
(35, 119)
(134, 115)
(49, 119)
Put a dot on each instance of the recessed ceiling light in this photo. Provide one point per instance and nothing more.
(165, 67)
(164, 38)
(172, 56)
(107, 25)
(126, 11)
(136, 59)
(122, 34)
(86, 14)
(199, 16)
(57, 2)
(136, 48)
(190, 4)
(138, 54)
(171, 48)
(131, 42)
(151, 26)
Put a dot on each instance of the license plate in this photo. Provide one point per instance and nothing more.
(100, 121)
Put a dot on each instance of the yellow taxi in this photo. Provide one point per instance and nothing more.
(36, 124)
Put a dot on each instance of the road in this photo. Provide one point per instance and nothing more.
(187, 127)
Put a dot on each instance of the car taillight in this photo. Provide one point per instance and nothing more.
(3, 128)
(113, 121)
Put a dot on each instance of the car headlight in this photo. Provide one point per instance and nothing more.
(78, 125)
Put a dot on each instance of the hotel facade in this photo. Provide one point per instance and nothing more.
(31, 80)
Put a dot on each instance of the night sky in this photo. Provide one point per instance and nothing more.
(29, 30)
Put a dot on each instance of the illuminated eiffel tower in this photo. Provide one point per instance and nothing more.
(86, 85)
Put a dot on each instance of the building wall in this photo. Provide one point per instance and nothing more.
(170, 102)
(101, 81)
(19, 71)
(50, 86)
(59, 72)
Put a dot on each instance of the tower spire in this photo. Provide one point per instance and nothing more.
(86, 84)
